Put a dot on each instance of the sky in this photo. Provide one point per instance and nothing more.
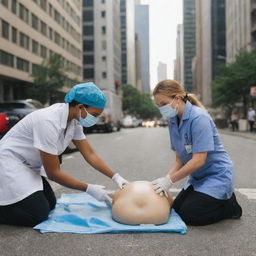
(165, 15)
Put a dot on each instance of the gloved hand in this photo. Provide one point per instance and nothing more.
(119, 180)
(162, 185)
(99, 193)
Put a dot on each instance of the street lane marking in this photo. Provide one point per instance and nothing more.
(250, 193)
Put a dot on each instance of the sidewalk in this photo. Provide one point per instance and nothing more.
(246, 134)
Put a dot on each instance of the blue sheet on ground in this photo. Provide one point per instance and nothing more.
(81, 213)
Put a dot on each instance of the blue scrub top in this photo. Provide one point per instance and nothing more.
(196, 133)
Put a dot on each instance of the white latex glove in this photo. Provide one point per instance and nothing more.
(99, 193)
(119, 180)
(162, 185)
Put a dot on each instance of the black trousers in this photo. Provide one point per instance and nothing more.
(31, 210)
(251, 123)
(198, 209)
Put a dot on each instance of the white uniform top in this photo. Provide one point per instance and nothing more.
(20, 163)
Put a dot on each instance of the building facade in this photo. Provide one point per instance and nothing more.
(161, 71)
(189, 39)
(179, 62)
(210, 46)
(101, 43)
(239, 27)
(142, 30)
(32, 30)
(127, 12)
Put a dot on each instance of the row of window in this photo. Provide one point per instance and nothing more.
(24, 40)
(88, 3)
(65, 5)
(23, 14)
(10, 60)
(88, 15)
(88, 73)
(89, 59)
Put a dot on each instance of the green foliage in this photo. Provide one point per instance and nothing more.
(138, 104)
(48, 77)
(234, 81)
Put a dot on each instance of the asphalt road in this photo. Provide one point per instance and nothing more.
(143, 154)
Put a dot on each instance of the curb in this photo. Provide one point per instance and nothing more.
(237, 134)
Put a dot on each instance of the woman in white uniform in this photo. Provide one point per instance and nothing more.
(30, 151)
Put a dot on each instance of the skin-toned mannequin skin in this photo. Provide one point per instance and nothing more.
(137, 203)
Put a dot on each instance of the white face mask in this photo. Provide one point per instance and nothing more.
(168, 111)
(89, 120)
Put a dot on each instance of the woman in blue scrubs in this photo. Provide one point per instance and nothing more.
(208, 196)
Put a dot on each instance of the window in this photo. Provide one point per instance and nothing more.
(88, 2)
(43, 4)
(35, 47)
(14, 35)
(43, 52)
(24, 41)
(23, 13)
(104, 58)
(22, 64)
(87, 30)
(57, 38)
(89, 73)
(34, 68)
(88, 15)
(50, 33)
(103, 1)
(104, 45)
(88, 59)
(103, 30)
(57, 16)
(5, 29)
(88, 45)
(103, 14)
(6, 58)
(104, 74)
(50, 9)
(35, 22)
(14, 6)
(5, 3)
(43, 28)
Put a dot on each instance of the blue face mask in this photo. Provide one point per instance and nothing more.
(168, 111)
(89, 120)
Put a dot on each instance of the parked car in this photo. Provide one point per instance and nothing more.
(11, 112)
(129, 122)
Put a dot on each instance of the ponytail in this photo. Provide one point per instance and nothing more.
(171, 88)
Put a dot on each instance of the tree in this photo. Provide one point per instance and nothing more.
(48, 77)
(138, 104)
(233, 83)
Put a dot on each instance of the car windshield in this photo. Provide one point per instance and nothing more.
(11, 105)
(36, 104)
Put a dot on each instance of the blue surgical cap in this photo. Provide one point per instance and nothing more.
(87, 94)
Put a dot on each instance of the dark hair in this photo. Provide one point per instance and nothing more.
(74, 103)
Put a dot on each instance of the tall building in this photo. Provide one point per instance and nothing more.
(253, 24)
(102, 48)
(210, 46)
(32, 30)
(142, 30)
(138, 64)
(239, 20)
(161, 71)
(179, 62)
(127, 12)
(189, 28)
(101, 43)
